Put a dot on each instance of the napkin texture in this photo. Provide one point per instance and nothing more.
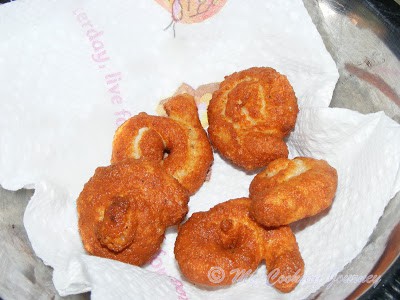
(72, 71)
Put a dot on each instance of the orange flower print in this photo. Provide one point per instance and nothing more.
(191, 11)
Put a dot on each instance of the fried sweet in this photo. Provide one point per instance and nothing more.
(290, 190)
(125, 208)
(178, 142)
(214, 247)
(250, 114)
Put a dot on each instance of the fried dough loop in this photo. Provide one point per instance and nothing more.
(177, 142)
(227, 238)
(290, 190)
(249, 116)
(123, 216)
(117, 229)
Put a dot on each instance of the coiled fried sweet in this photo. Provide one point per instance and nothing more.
(250, 114)
(178, 142)
(125, 208)
(290, 190)
(226, 239)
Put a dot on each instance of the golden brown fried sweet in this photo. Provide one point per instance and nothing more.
(125, 208)
(177, 142)
(290, 190)
(214, 247)
(249, 116)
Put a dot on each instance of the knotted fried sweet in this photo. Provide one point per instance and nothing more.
(216, 247)
(125, 208)
(290, 190)
(250, 114)
(177, 142)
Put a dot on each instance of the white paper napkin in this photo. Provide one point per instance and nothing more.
(72, 71)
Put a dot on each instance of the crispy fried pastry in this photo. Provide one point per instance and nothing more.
(290, 190)
(125, 208)
(250, 114)
(177, 142)
(214, 247)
